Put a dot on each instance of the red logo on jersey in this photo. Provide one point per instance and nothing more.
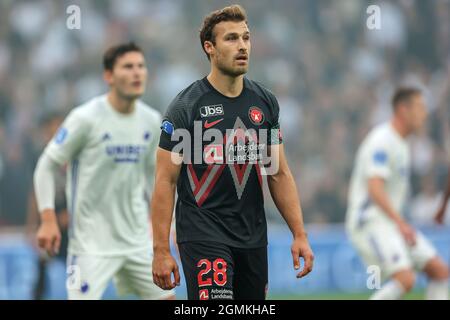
(211, 124)
(204, 294)
(256, 115)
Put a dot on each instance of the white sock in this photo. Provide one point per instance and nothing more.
(437, 290)
(391, 290)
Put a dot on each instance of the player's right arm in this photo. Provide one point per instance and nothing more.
(378, 171)
(439, 218)
(66, 144)
(166, 177)
(48, 235)
(379, 196)
(167, 171)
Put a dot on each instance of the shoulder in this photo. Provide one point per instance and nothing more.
(378, 134)
(148, 112)
(378, 141)
(261, 91)
(88, 112)
(190, 95)
(181, 109)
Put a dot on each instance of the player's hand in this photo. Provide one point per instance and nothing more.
(163, 266)
(408, 232)
(300, 249)
(48, 235)
(439, 217)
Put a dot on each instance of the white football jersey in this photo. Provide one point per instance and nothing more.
(385, 154)
(111, 159)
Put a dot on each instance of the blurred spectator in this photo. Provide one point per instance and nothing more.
(426, 203)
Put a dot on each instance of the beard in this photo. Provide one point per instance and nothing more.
(231, 71)
(128, 96)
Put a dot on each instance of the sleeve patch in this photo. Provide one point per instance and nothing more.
(380, 157)
(167, 127)
(61, 135)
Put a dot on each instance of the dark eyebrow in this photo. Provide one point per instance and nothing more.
(246, 33)
(231, 34)
(130, 64)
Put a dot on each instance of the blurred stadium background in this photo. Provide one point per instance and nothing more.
(332, 75)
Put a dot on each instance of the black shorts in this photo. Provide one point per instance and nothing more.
(215, 271)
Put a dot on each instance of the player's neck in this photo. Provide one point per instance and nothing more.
(121, 105)
(399, 127)
(226, 85)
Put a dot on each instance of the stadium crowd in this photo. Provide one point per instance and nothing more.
(333, 77)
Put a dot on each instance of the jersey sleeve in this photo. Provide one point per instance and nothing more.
(44, 183)
(69, 139)
(174, 118)
(377, 159)
(275, 128)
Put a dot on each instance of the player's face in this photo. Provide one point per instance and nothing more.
(129, 75)
(231, 53)
(417, 113)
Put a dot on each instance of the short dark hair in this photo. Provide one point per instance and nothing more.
(404, 94)
(233, 13)
(112, 54)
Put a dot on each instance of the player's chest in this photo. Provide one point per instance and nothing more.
(224, 115)
(400, 164)
(231, 132)
(117, 143)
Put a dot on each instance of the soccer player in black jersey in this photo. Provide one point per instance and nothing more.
(220, 137)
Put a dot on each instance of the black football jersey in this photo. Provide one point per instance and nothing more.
(223, 141)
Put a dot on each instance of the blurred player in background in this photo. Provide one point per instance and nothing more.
(110, 144)
(49, 126)
(440, 215)
(220, 219)
(377, 196)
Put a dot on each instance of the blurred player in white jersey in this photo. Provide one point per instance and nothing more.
(109, 144)
(440, 215)
(377, 197)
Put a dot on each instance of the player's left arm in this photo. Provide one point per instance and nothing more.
(285, 196)
(439, 218)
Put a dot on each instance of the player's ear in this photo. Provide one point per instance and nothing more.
(108, 77)
(209, 47)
